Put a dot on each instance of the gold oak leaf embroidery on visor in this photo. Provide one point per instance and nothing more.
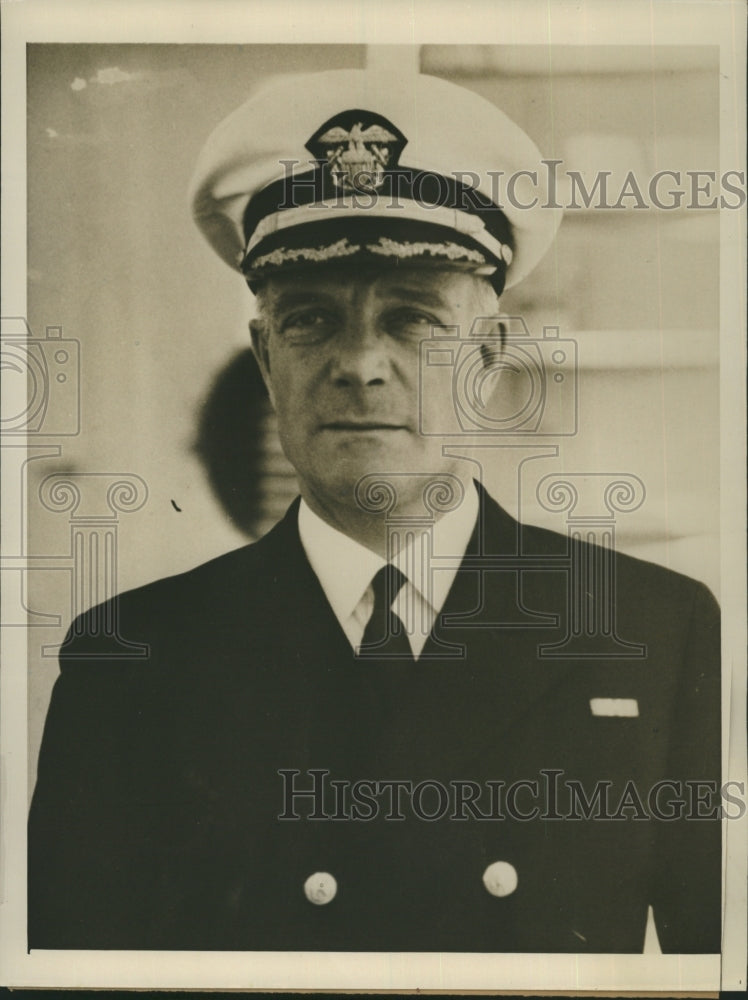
(283, 255)
(453, 251)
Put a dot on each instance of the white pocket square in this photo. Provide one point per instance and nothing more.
(624, 707)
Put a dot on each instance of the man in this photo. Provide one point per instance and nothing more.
(365, 731)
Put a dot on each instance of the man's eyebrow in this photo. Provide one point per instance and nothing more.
(295, 297)
(427, 296)
(292, 298)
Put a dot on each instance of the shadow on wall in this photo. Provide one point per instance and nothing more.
(237, 444)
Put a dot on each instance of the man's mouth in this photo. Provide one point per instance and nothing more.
(362, 425)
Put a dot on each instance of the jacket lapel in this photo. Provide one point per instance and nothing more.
(483, 649)
(498, 615)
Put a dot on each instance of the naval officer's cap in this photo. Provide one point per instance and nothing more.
(347, 166)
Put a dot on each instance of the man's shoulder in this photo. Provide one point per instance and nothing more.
(635, 577)
(238, 578)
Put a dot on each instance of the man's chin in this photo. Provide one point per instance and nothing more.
(378, 484)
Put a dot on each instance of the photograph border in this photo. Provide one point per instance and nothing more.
(384, 23)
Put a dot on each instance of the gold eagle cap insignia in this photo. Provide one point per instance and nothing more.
(356, 152)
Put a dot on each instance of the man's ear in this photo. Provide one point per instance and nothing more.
(258, 333)
(492, 355)
(492, 344)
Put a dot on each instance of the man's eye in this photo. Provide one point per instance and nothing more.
(307, 325)
(412, 323)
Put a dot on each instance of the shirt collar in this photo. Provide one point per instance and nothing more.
(345, 568)
(450, 537)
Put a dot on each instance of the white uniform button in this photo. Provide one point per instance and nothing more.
(320, 888)
(500, 878)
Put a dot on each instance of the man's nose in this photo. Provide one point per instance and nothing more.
(361, 356)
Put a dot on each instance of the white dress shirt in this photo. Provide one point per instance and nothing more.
(345, 570)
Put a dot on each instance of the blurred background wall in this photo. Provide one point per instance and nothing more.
(118, 272)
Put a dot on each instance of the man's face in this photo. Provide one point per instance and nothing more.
(339, 349)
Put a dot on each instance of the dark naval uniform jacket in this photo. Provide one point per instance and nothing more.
(155, 820)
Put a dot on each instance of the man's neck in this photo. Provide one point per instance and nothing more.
(371, 527)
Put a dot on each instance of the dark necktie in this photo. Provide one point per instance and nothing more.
(385, 634)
